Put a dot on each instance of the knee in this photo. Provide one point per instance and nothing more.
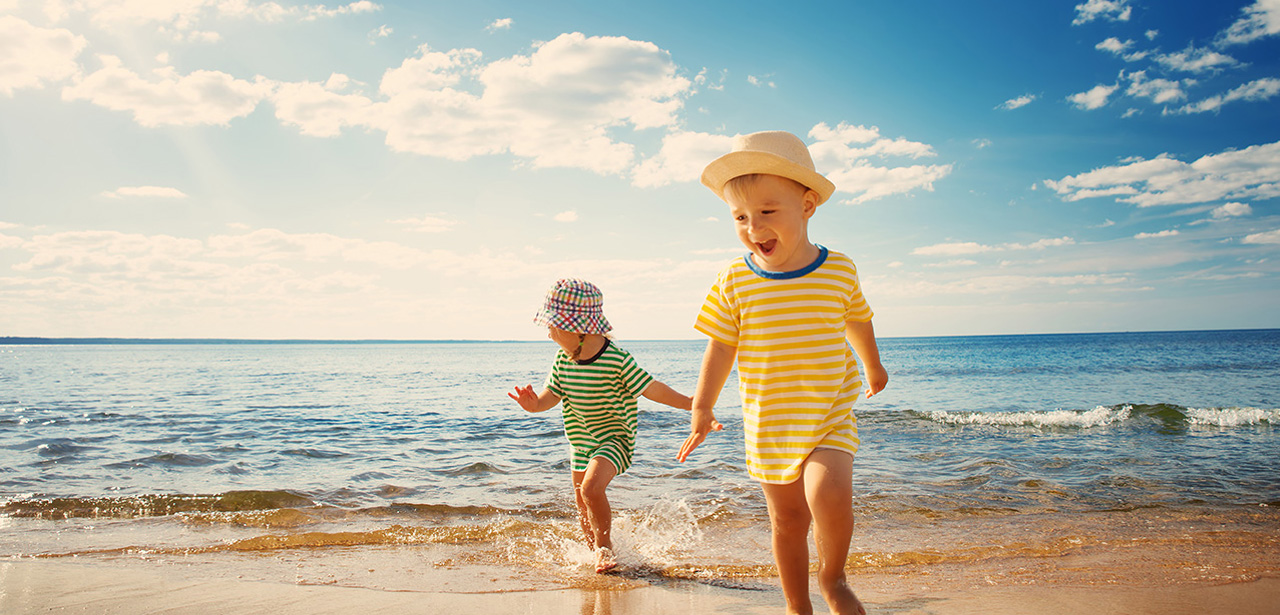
(787, 521)
(592, 490)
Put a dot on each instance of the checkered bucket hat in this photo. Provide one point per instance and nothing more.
(574, 305)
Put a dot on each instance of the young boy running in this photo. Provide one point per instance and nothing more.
(785, 311)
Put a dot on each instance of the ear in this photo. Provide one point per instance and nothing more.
(810, 203)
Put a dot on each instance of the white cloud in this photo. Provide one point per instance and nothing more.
(145, 192)
(1262, 18)
(30, 56)
(1250, 173)
(1257, 90)
(1094, 98)
(1232, 210)
(1269, 237)
(1196, 60)
(1168, 233)
(318, 110)
(555, 107)
(761, 81)
(383, 31)
(1158, 90)
(1118, 47)
(1113, 10)
(844, 155)
(184, 15)
(201, 97)
(566, 216)
(1017, 103)
(500, 24)
(682, 158)
(970, 247)
(981, 143)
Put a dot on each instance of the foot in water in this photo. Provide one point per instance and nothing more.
(605, 560)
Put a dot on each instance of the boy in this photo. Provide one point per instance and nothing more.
(785, 312)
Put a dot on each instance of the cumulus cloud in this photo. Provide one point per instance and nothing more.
(167, 98)
(1254, 91)
(500, 24)
(1262, 18)
(1112, 10)
(1250, 173)
(30, 56)
(681, 159)
(847, 154)
(1017, 103)
(1158, 90)
(1231, 210)
(1196, 60)
(1094, 98)
(145, 192)
(185, 15)
(1121, 48)
(1168, 233)
(1269, 237)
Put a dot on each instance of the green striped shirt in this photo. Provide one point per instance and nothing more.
(599, 397)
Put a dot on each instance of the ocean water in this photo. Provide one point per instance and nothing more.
(405, 466)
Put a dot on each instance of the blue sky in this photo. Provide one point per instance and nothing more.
(424, 170)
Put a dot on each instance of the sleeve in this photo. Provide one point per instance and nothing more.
(857, 308)
(718, 318)
(553, 378)
(634, 379)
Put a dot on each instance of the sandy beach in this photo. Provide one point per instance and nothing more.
(45, 586)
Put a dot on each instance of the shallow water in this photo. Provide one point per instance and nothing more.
(308, 459)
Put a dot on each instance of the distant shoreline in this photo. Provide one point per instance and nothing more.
(141, 341)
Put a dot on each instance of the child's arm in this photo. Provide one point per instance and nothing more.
(533, 402)
(862, 336)
(665, 395)
(717, 362)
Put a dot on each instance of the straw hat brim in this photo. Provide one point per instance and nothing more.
(747, 162)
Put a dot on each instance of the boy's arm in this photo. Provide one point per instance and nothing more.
(534, 402)
(862, 336)
(717, 362)
(668, 396)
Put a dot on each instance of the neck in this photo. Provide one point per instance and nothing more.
(591, 344)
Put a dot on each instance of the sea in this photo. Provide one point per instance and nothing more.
(405, 466)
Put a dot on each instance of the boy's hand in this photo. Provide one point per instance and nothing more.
(877, 379)
(526, 398)
(704, 422)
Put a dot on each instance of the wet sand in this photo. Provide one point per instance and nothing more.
(62, 586)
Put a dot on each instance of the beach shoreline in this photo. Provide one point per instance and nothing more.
(29, 586)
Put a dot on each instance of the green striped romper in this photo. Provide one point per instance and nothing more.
(599, 399)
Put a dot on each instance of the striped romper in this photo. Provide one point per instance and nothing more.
(599, 400)
(797, 375)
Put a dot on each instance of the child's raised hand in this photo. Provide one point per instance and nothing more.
(703, 424)
(526, 398)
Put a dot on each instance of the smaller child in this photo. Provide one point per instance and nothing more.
(599, 384)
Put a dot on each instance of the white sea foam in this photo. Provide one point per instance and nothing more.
(1056, 418)
(1232, 417)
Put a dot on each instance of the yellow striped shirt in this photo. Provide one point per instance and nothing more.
(797, 375)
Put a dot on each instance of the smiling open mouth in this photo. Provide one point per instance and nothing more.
(766, 248)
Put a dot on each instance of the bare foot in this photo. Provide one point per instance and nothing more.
(842, 601)
(605, 560)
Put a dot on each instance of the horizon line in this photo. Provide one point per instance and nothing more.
(16, 340)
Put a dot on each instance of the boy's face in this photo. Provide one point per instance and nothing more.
(772, 220)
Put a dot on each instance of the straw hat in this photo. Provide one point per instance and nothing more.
(774, 152)
(574, 305)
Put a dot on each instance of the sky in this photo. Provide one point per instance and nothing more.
(426, 170)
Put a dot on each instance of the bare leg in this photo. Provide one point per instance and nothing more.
(584, 515)
(789, 517)
(828, 486)
(592, 500)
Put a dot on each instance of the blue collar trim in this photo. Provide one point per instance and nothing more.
(788, 275)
